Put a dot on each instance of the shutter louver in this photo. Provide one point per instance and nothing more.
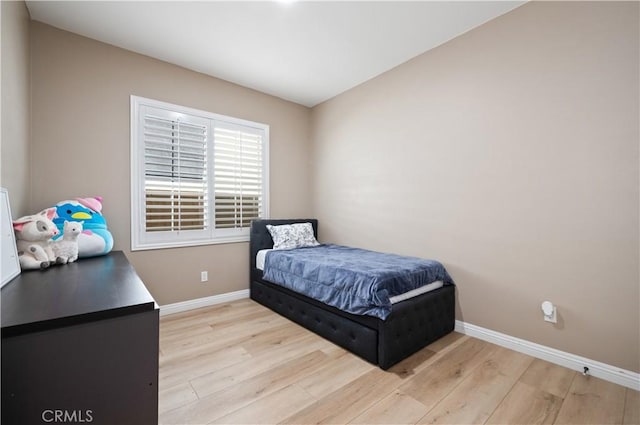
(238, 177)
(175, 173)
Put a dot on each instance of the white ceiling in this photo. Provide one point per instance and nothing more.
(306, 52)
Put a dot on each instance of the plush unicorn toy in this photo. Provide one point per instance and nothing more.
(33, 239)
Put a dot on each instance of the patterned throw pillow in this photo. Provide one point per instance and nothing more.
(288, 236)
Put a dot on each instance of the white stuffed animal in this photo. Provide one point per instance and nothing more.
(33, 239)
(66, 248)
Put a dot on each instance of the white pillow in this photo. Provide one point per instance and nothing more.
(288, 236)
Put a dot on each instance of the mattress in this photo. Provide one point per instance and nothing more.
(260, 258)
(262, 255)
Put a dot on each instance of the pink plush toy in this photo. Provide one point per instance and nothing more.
(33, 239)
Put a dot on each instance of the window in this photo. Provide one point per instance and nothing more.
(196, 177)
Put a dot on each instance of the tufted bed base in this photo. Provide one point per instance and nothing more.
(412, 324)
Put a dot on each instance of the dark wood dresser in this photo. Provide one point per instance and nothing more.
(80, 345)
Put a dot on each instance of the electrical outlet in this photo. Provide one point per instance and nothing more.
(204, 276)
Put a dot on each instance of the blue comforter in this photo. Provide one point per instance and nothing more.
(351, 279)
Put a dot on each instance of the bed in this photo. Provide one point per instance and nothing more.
(411, 324)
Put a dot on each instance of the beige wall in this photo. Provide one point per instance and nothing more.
(80, 145)
(510, 154)
(16, 99)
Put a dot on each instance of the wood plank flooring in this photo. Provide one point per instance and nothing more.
(240, 363)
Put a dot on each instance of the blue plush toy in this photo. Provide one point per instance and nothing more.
(95, 238)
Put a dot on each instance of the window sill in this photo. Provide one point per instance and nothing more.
(184, 244)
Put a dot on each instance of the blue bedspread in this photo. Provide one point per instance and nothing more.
(354, 280)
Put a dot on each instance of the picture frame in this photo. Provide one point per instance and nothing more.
(8, 252)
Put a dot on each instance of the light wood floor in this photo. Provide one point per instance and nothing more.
(240, 363)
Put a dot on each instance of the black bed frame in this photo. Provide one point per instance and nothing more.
(412, 324)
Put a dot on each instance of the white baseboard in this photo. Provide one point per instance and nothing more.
(604, 371)
(203, 302)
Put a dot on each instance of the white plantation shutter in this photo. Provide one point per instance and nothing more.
(238, 175)
(175, 171)
(197, 177)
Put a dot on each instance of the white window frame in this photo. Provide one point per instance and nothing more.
(142, 240)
